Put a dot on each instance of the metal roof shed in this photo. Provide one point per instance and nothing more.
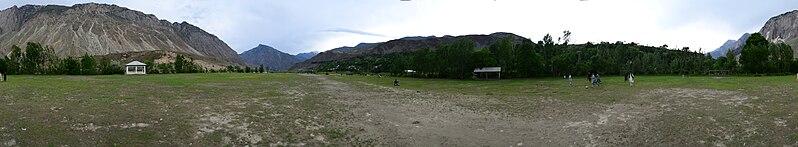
(487, 70)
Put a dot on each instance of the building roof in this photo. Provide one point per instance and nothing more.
(488, 69)
(135, 63)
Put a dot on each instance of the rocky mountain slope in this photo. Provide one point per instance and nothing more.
(267, 56)
(721, 51)
(397, 46)
(783, 28)
(306, 56)
(101, 29)
(734, 46)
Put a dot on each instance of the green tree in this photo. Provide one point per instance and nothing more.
(261, 69)
(70, 66)
(781, 57)
(484, 58)
(423, 62)
(88, 66)
(107, 68)
(529, 61)
(502, 52)
(458, 54)
(731, 61)
(179, 64)
(720, 63)
(754, 56)
(166, 68)
(32, 59)
(15, 60)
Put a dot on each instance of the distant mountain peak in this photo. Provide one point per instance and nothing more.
(270, 57)
(307, 55)
(730, 46)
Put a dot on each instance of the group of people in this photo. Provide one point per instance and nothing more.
(595, 79)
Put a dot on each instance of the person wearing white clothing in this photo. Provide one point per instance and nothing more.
(570, 81)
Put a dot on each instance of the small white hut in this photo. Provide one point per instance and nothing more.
(135, 68)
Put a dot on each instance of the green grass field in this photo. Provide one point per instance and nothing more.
(144, 110)
(316, 110)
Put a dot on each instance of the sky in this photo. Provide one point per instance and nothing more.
(297, 26)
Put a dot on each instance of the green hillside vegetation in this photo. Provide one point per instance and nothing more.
(548, 58)
(37, 59)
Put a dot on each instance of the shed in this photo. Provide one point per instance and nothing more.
(135, 68)
(488, 70)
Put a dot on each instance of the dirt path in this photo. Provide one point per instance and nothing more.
(409, 118)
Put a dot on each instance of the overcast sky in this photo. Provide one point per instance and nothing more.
(296, 26)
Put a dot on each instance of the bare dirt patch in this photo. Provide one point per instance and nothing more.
(665, 116)
(412, 118)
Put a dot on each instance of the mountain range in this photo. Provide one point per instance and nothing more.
(102, 29)
(272, 58)
(306, 56)
(735, 46)
(779, 29)
(407, 44)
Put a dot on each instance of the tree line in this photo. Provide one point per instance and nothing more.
(761, 56)
(525, 58)
(37, 59)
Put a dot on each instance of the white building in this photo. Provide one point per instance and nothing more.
(135, 68)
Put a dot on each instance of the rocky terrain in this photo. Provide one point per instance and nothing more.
(407, 44)
(721, 51)
(783, 28)
(306, 56)
(102, 29)
(267, 56)
(734, 46)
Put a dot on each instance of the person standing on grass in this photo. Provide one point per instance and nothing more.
(631, 79)
(598, 80)
(3, 69)
(626, 77)
(570, 81)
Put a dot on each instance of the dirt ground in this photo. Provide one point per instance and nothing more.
(328, 110)
(396, 117)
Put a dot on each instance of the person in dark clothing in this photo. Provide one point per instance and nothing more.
(626, 77)
(3, 70)
(396, 82)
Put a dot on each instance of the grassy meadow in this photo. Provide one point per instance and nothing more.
(296, 110)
